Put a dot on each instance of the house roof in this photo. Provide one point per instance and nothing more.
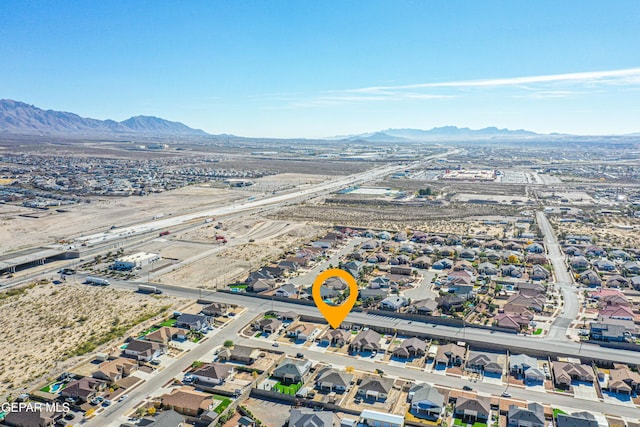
(577, 419)
(191, 319)
(111, 368)
(289, 288)
(522, 360)
(140, 346)
(169, 418)
(425, 304)
(368, 337)
(377, 384)
(334, 377)
(32, 418)
(292, 367)
(623, 378)
(533, 414)
(478, 405)
(82, 387)
(424, 391)
(563, 371)
(309, 418)
(414, 342)
(450, 349)
(165, 333)
(216, 371)
(187, 397)
(336, 334)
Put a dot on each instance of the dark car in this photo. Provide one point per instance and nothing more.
(467, 388)
(300, 356)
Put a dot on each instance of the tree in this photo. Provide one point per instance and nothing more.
(349, 369)
(151, 410)
(228, 343)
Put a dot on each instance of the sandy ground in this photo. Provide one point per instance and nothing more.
(270, 240)
(18, 232)
(46, 322)
(610, 231)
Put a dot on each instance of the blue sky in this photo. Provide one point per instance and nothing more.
(312, 69)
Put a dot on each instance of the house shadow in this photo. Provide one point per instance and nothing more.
(622, 397)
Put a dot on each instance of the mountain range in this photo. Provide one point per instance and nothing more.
(438, 133)
(20, 118)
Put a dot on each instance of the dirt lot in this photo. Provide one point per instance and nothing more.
(19, 232)
(389, 217)
(270, 239)
(608, 231)
(47, 323)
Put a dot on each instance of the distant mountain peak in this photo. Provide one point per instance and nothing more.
(442, 132)
(22, 118)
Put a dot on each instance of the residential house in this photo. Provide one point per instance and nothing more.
(375, 387)
(381, 282)
(423, 261)
(425, 307)
(531, 416)
(467, 275)
(288, 290)
(564, 373)
(241, 354)
(621, 312)
(572, 251)
(482, 362)
(494, 244)
(353, 267)
(536, 375)
(261, 274)
(467, 254)
(114, 370)
(369, 245)
(535, 303)
(617, 281)
(382, 419)
(216, 309)
(193, 322)
(594, 251)
(167, 418)
(306, 417)
(301, 332)
(604, 265)
(212, 374)
(288, 265)
(624, 380)
(268, 326)
(635, 283)
(411, 347)
(261, 285)
(400, 260)
(84, 389)
(512, 321)
(335, 337)
(402, 270)
(442, 264)
(577, 419)
(579, 263)
(631, 267)
(393, 303)
(472, 410)
(366, 340)
(511, 270)
(607, 331)
(535, 248)
(538, 272)
(292, 371)
(188, 401)
(450, 355)
(519, 363)
(487, 269)
(144, 350)
(450, 303)
(166, 334)
(371, 294)
(38, 417)
(537, 259)
(333, 380)
(620, 255)
(426, 401)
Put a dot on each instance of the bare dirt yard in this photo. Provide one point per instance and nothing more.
(47, 329)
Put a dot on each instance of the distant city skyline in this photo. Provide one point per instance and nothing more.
(307, 69)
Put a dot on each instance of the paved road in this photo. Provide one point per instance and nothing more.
(564, 282)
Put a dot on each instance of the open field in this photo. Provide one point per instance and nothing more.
(611, 231)
(270, 239)
(19, 232)
(46, 329)
(391, 217)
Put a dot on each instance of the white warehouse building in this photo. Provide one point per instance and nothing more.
(137, 260)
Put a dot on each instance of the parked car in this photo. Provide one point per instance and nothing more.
(467, 388)
(300, 356)
(106, 403)
(506, 394)
(275, 344)
(123, 397)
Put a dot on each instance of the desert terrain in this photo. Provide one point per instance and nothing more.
(47, 328)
